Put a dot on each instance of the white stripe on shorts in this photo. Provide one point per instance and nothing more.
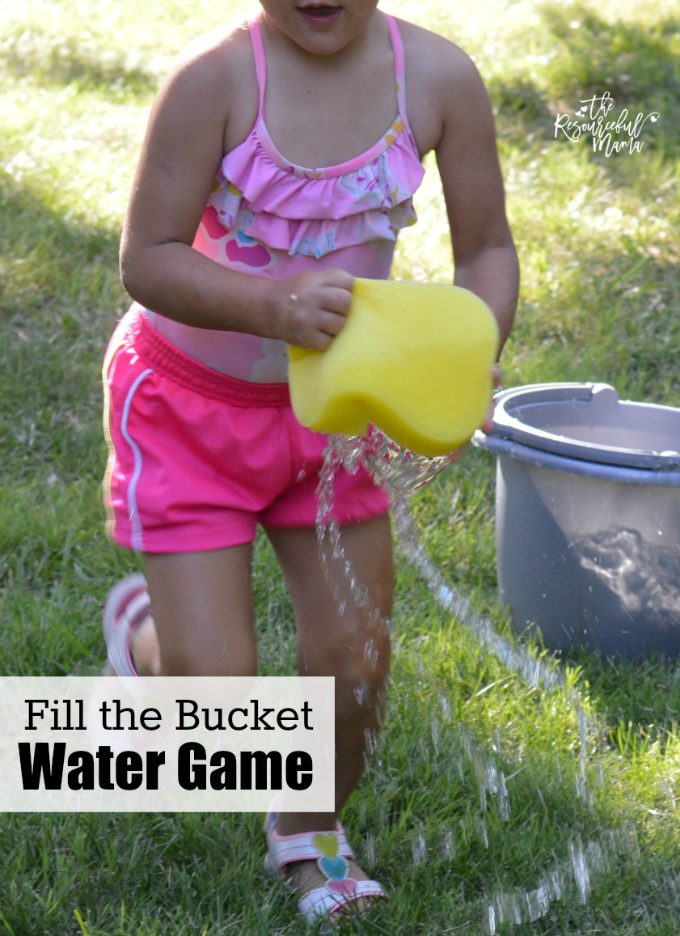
(137, 541)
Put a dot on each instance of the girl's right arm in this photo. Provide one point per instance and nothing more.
(160, 269)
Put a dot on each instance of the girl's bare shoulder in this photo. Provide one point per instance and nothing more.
(437, 59)
(442, 82)
(220, 52)
(214, 70)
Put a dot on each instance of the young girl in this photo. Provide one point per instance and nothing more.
(279, 163)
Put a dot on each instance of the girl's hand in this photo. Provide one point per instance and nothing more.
(309, 309)
(497, 377)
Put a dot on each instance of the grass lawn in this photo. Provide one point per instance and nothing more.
(490, 799)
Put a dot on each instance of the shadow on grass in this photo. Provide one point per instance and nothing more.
(60, 299)
(51, 259)
(63, 60)
(639, 68)
(523, 110)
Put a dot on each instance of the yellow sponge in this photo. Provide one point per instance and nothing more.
(414, 359)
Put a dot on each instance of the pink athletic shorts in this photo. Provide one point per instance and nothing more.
(197, 459)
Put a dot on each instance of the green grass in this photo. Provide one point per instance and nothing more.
(599, 248)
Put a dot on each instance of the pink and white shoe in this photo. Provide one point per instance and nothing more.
(127, 608)
(332, 854)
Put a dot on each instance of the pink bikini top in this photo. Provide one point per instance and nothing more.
(269, 217)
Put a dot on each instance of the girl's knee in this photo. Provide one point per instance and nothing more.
(360, 666)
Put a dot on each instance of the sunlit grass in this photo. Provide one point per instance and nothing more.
(599, 248)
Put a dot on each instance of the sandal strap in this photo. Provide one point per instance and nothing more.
(127, 608)
(303, 846)
(320, 902)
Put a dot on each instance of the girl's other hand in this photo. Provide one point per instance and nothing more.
(497, 377)
(309, 309)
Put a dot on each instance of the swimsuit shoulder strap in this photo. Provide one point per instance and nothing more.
(260, 61)
(399, 65)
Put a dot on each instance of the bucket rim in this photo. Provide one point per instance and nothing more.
(507, 425)
(538, 458)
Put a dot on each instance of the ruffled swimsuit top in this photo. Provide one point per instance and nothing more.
(269, 217)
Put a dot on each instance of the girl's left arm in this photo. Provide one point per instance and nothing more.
(485, 258)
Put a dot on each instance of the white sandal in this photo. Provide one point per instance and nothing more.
(331, 852)
(127, 608)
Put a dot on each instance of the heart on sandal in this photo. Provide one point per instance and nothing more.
(334, 868)
(326, 843)
(345, 888)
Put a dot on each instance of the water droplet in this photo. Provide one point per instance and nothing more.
(448, 845)
(361, 596)
(418, 849)
(370, 850)
(503, 798)
(445, 707)
(435, 730)
(580, 870)
(362, 694)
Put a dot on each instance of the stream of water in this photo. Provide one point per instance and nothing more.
(401, 473)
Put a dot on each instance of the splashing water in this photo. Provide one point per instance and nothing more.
(489, 778)
(401, 473)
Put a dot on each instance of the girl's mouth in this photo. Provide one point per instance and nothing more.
(320, 14)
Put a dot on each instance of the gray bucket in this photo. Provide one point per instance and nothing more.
(588, 518)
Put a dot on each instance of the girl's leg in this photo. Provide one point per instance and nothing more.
(203, 613)
(352, 646)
